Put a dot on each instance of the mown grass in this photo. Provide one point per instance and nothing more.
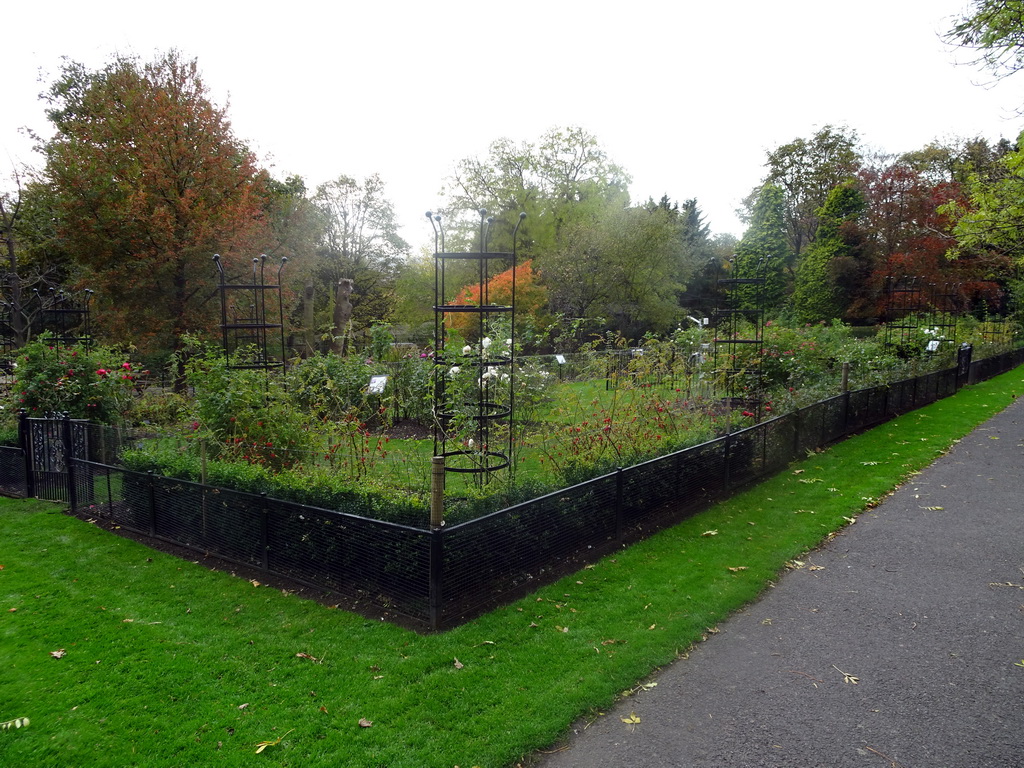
(169, 664)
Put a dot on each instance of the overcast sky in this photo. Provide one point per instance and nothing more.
(687, 96)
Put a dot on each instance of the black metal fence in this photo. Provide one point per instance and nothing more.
(438, 577)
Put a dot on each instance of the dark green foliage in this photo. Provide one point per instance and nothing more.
(763, 252)
(818, 292)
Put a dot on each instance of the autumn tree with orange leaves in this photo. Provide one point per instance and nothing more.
(531, 300)
(149, 182)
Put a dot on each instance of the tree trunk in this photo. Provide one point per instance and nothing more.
(308, 321)
(342, 316)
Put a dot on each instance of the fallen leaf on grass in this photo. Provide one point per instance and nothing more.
(18, 722)
(737, 568)
(261, 745)
(710, 533)
(307, 656)
(243, 706)
(364, 723)
(60, 653)
(459, 664)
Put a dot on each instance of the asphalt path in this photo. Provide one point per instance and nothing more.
(899, 644)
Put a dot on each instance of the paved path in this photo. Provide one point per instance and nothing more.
(923, 607)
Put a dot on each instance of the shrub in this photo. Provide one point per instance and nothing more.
(95, 383)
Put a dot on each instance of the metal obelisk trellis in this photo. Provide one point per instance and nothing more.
(735, 329)
(248, 324)
(65, 315)
(915, 310)
(473, 398)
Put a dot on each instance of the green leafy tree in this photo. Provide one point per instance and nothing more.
(563, 179)
(828, 269)
(624, 271)
(992, 218)
(763, 253)
(806, 170)
(148, 181)
(994, 29)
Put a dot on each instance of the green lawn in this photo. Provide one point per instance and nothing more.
(168, 664)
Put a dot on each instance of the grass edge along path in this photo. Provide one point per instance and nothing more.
(165, 663)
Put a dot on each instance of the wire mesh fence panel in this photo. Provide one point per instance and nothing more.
(129, 499)
(699, 474)
(810, 433)
(501, 551)
(389, 564)
(866, 407)
(13, 476)
(779, 442)
(833, 419)
(745, 456)
(223, 523)
(900, 397)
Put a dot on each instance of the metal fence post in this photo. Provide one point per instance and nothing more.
(618, 504)
(264, 532)
(69, 461)
(152, 502)
(25, 440)
(436, 534)
(727, 481)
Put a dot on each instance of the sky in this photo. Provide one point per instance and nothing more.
(688, 97)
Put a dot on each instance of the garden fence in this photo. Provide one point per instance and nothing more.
(438, 577)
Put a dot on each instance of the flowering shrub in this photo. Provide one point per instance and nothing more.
(95, 383)
(245, 414)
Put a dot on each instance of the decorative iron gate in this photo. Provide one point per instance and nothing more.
(50, 446)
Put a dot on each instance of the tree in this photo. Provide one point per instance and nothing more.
(531, 300)
(762, 253)
(627, 268)
(148, 182)
(995, 30)
(562, 179)
(830, 269)
(992, 216)
(359, 242)
(806, 170)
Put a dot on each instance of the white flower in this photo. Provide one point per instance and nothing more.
(485, 342)
(508, 342)
(467, 349)
(453, 370)
(470, 442)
